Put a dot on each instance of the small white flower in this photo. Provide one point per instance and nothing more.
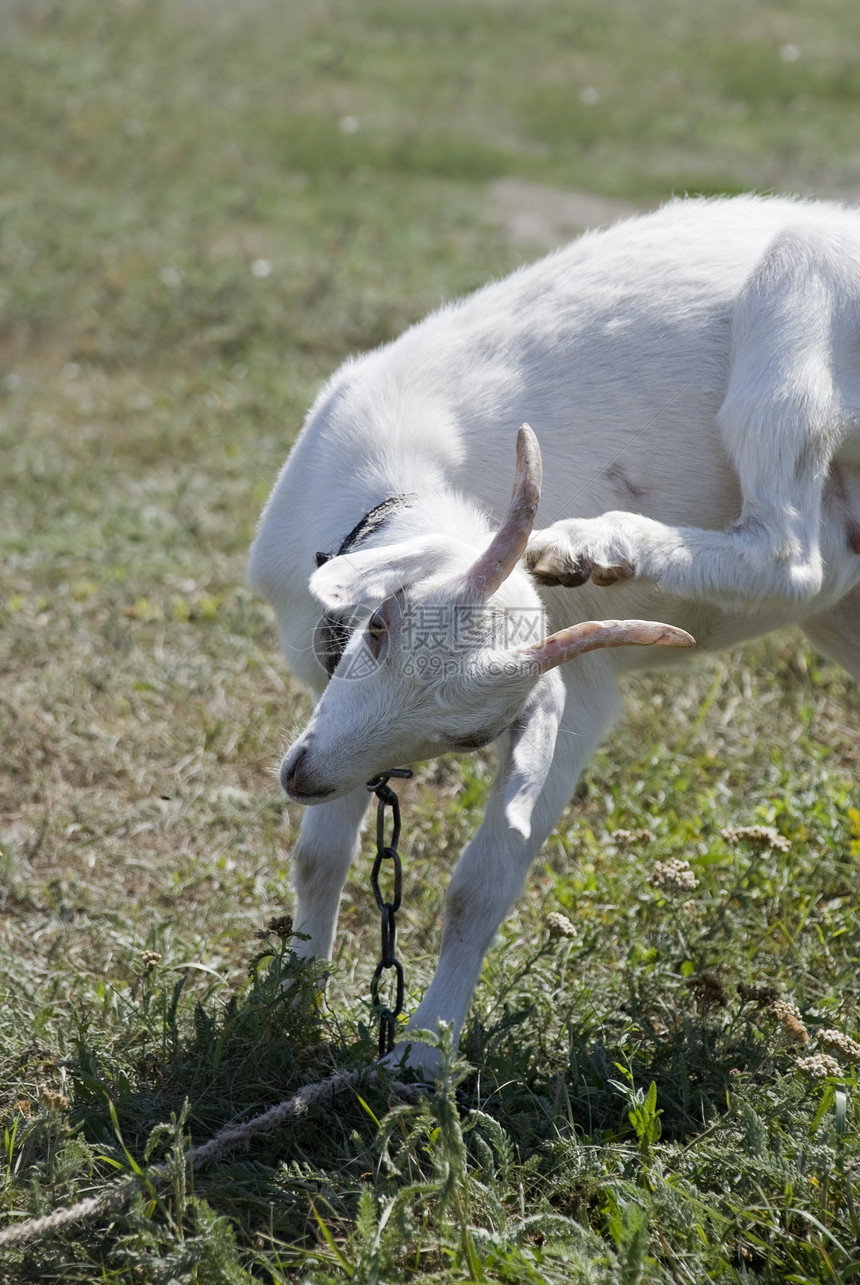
(836, 1040)
(559, 925)
(763, 835)
(261, 268)
(819, 1066)
(674, 874)
(348, 125)
(626, 838)
(789, 53)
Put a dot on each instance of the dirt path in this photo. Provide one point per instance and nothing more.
(549, 216)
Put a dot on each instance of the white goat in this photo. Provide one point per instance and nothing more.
(694, 379)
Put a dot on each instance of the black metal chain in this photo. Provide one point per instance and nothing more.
(388, 1014)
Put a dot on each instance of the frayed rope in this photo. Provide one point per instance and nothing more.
(233, 1135)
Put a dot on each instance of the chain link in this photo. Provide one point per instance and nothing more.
(388, 1014)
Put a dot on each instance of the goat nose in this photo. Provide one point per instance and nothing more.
(299, 782)
(291, 773)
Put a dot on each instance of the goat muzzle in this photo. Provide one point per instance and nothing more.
(298, 782)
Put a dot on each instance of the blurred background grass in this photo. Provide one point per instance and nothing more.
(203, 209)
(153, 152)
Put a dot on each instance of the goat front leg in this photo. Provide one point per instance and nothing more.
(328, 842)
(488, 879)
(492, 869)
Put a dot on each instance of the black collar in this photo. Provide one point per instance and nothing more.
(371, 522)
(335, 629)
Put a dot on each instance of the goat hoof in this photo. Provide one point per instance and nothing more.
(555, 569)
(420, 1058)
(608, 575)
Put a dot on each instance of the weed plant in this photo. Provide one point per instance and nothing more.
(204, 210)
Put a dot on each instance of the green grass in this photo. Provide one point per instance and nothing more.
(203, 212)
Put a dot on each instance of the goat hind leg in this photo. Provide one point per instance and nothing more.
(836, 633)
(780, 423)
(770, 554)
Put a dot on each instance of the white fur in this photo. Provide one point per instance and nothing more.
(693, 378)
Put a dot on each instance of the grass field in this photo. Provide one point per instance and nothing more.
(204, 210)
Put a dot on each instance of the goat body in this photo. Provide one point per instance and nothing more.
(693, 379)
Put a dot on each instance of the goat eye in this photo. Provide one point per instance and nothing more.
(476, 741)
(377, 632)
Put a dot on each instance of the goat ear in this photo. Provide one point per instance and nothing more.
(365, 577)
(529, 753)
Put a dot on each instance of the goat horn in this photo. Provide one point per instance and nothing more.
(507, 546)
(591, 634)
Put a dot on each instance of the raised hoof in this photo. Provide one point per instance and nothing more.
(608, 575)
(553, 569)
